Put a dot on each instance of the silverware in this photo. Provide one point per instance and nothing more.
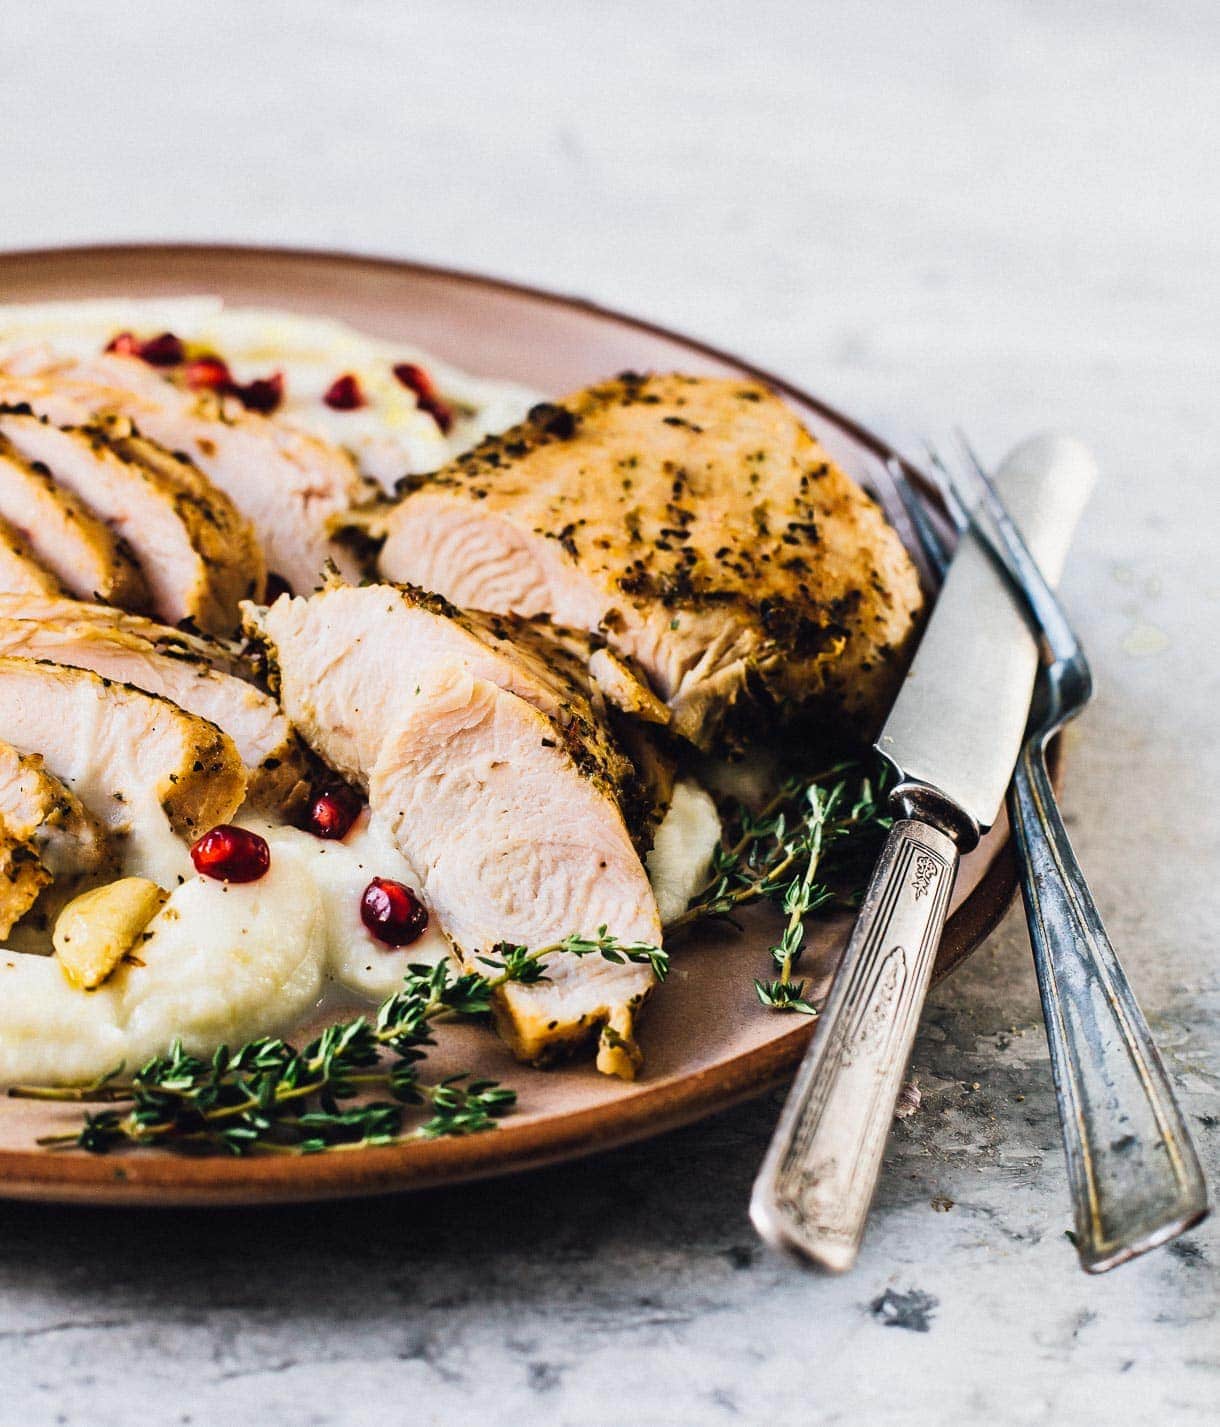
(1134, 1175)
(953, 735)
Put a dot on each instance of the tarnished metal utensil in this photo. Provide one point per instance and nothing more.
(953, 735)
(1134, 1173)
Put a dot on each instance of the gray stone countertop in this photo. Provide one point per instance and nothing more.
(996, 211)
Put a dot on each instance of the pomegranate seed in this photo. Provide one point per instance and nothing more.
(440, 413)
(332, 814)
(126, 344)
(416, 379)
(263, 394)
(344, 394)
(207, 373)
(163, 351)
(231, 854)
(392, 912)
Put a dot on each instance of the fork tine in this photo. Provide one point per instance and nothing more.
(1041, 599)
(930, 542)
(955, 503)
(962, 511)
(964, 507)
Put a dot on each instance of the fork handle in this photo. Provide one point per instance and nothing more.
(1134, 1176)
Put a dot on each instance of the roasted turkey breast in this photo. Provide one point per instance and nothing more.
(346, 707)
(501, 785)
(45, 833)
(20, 573)
(118, 748)
(513, 841)
(288, 484)
(696, 526)
(59, 532)
(197, 555)
(274, 757)
(39, 607)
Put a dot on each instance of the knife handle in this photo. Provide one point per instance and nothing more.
(1134, 1175)
(813, 1192)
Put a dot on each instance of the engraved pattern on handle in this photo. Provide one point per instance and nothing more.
(1134, 1176)
(813, 1192)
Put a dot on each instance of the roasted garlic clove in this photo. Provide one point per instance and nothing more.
(97, 929)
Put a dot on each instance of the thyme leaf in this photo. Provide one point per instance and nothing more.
(809, 848)
(784, 996)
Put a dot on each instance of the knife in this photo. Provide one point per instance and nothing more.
(953, 736)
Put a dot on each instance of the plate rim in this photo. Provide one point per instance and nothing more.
(169, 1180)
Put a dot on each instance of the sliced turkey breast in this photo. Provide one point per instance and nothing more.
(62, 535)
(224, 655)
(347, 706)
(577, 655)
(696, 525)
(626, 689)
(132, 758)
(46, 833)
(403, 694)
(20, 573)
(274, 757)
(514, 842)
(198, 556)
(289, 484)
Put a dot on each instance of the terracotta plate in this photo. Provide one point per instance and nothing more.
(708, 1042)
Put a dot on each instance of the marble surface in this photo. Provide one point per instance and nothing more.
(998, 211)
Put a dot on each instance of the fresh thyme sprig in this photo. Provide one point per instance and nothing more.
(267, 1095)
(516, 963)
(807, 849)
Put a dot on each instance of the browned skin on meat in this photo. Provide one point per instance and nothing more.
(45, 834)
(288, 484)
(20, 573)
(592, 697)
(198, 556)
(191, 766)
(275, 759)
(696, 526)
(55, 528)
(43, 608)
(347, 705)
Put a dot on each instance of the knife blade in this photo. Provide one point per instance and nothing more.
(953, 736)
(959, 717)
